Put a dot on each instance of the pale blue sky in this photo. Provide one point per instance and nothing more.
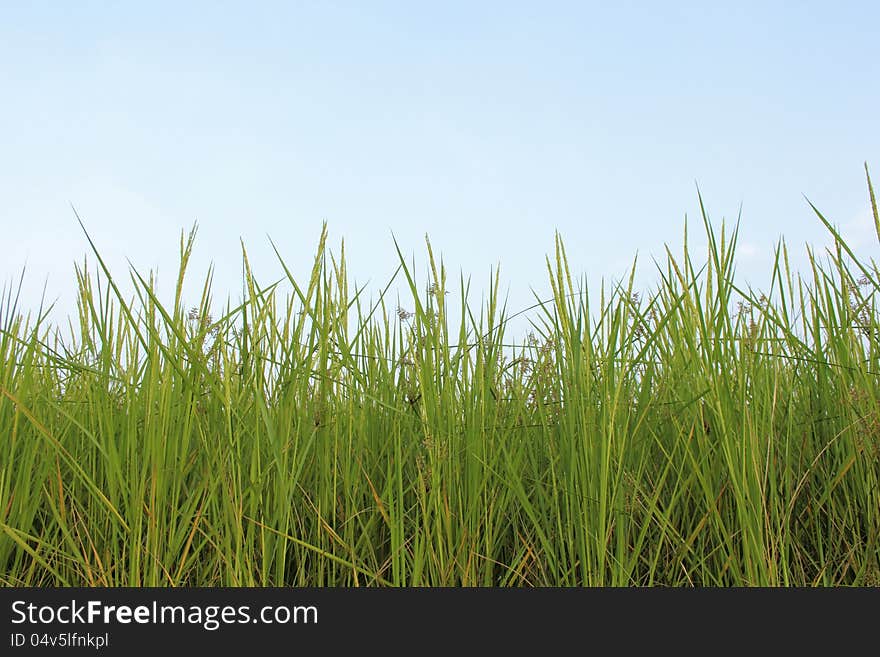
(486, 125)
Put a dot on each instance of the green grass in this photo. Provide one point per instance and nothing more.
(701, 434)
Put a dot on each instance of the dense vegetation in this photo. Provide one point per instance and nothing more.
(697, 434)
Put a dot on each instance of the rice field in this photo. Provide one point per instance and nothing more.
(697, 434)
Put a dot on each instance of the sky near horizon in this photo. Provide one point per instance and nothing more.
(488, 126)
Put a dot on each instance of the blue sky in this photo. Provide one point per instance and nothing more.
(487, 125)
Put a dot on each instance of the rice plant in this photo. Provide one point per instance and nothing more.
(697, 434)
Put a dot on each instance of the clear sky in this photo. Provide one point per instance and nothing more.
(487, 125)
